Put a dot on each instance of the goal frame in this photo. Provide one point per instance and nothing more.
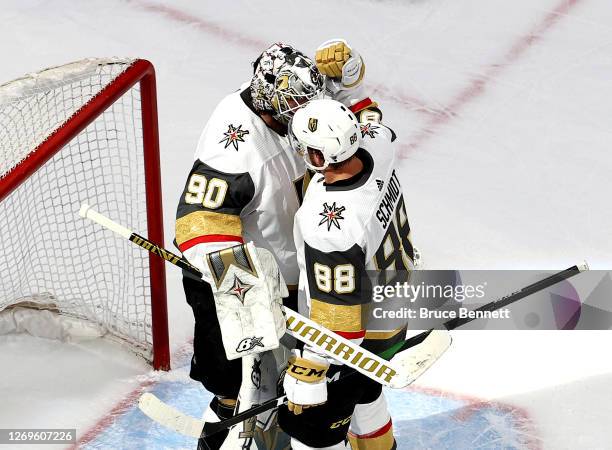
(140, 71)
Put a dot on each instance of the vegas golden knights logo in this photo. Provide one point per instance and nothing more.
(312, 124)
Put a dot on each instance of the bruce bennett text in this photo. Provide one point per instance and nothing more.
(426, 313)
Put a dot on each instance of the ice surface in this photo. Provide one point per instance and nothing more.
(503, 110)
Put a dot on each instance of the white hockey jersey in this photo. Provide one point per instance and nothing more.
(246, 184)
(345, 228)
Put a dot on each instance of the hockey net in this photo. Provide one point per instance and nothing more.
(85, 132)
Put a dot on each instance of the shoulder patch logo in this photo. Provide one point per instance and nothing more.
(233, 136)
(331, 215)
(368, 129)
(312, 124)
(380, 183)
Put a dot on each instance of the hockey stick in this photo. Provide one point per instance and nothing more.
(298, 326)
(171, 418)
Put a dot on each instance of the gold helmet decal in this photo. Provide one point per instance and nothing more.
(283, 82)
(312, 124)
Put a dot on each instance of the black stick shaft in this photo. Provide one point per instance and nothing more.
(516, 296)
(165, 254)
(215, 427)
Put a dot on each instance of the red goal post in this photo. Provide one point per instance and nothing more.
(101, 95)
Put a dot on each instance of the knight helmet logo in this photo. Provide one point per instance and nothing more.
(312, 124)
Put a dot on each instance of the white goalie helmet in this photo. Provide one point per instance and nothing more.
(325, 130)
(284, 80)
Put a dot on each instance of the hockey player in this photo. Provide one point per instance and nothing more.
(245, 186)
(352, 219)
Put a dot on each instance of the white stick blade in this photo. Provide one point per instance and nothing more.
(169, 417)
(414, 361)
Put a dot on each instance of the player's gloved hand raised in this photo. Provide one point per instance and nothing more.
(336, 60)
(305, 381)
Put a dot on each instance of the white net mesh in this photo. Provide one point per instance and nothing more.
(48, 251)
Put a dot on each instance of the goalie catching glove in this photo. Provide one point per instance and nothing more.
(340, 63)
(248, 289)
(305, 381)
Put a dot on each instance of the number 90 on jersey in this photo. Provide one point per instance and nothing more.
(208, 193)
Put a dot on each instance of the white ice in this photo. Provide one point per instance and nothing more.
(504, 113)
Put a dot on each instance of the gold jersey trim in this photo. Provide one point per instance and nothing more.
(338, 318)
(202, 223)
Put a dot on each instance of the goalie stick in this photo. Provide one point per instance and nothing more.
(429, 345)
(302, 328)
(191, 426)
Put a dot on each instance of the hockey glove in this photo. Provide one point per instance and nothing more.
(339, 62)
(305, 381)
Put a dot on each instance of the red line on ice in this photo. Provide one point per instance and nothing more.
(179, 358)
(226, 34)
(439, 115)
(221, 32)
(107, 420)
(474, 404)
(477, 86)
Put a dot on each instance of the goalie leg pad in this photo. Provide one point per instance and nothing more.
(248, 290)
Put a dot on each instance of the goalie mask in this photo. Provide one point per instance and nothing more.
(324, 132)
(283, 81)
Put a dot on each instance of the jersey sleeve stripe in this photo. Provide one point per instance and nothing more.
(363, 104)
(206, 223)
(338, 318)
(210, 238)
